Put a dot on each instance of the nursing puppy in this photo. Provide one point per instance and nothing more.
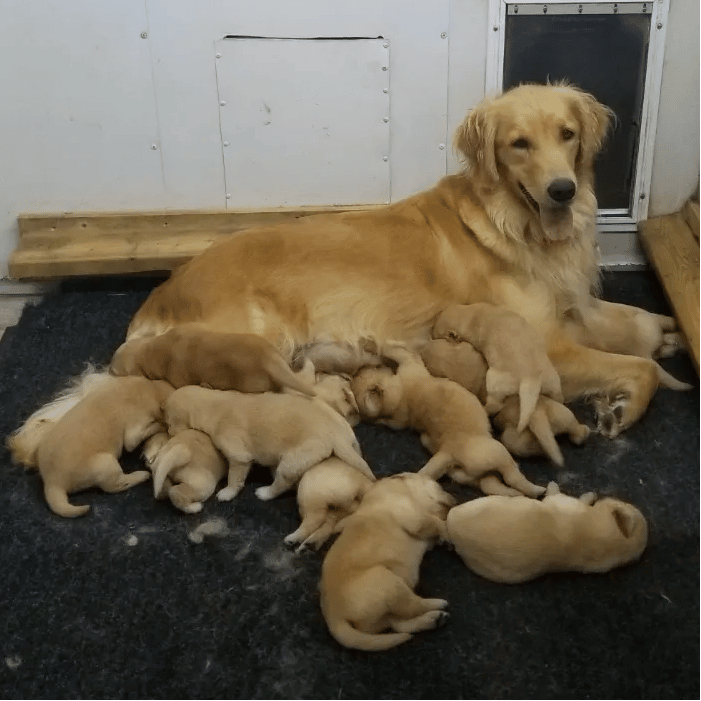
(190, 355)
(370, 571)
(516, 355)
(186, 468)
(515, 540)
(326, 493)
(453, 424)
(83, 447)
(549, 419)
(285, 432)
(457, 361)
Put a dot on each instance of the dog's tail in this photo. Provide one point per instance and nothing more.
(24, 442)
(353, 458)
(57, 500)
(282, 374)
(166, 461)
(528, 393)
(666, 380)
(351, 637)
(542, 430)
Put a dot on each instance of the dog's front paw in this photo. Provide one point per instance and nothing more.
(265, 493)
(227, 493)
(671, 344)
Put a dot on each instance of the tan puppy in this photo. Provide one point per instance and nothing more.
(190, 355)
(187, 468)
(514, 540)
(370, 571)
(453, 424)
(288, 433)
(334, 389)
(82, 449)
(326, 493)
(516, 355)
(457, 361)
(549, 419)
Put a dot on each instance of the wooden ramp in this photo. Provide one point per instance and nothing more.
(65, 245)
(672, 247)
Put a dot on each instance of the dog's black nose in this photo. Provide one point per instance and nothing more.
(562, 190)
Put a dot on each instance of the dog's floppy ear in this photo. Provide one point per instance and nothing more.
(374, 399)
(475, 138)
(625, 520)
(594, 120)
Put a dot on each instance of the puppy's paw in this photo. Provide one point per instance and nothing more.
(265, 493)
(671, 344)
(193, 508)
(441, 618)
(227, 493)
(610, 413)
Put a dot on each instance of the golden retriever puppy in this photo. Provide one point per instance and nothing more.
(83, 447)
(186, 468)
(549, 419)
(453, 424)
(285, 432)
(370, 571)
(516, 355)
(190, 355)
(459, 362)
(326, 493)
(518, 539)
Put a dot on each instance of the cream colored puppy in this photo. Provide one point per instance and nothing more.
(370, 571)
(453, 424)
(191, 355)
(459, 362)
(186, 468)
(326, 493)
(334, 389)
(288, 433)
(549, 419)
(518, 539)
(82, 449)
(515, 353)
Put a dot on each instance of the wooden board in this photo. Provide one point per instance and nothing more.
(673, 251)
(65, 245)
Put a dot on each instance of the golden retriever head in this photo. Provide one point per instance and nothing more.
(539, 142)
(378, 392)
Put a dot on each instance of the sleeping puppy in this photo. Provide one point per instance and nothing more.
(516, 355)
(288, 433)
(459, 362)
(518, 539)
(189, 355)
(186, 468)
(82, 449)
(453, 424)
(549, 419)
(326, 493)
(370, 571)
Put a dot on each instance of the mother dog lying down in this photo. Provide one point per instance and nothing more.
(515, 228)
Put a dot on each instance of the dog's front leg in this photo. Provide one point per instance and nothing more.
(238, 471)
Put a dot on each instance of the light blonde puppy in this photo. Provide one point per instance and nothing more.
(326, 493)
(186, 468)
(285, 432)
(83, 447)
(549, 419)
(453, 424)
(516, 355)
(370, 571)
(457, 361)
(194, 355)
(515, 540)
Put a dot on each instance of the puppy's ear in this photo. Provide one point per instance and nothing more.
(374, 399)
(594, 121)
(625, 520)
(475, 139)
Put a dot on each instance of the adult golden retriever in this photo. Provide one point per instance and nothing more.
(515, 228)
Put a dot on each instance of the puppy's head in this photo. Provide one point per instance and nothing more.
(426, 493)
(377, 391)
(626, 528)
(452, 323)
(336, 391)
(539, 141)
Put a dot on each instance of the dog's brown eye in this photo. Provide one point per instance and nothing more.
(520, 143)
(567, 134)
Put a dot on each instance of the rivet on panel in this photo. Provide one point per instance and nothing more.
(222, 103)
(154, 147)
(228, 196)
(385, 119)
(386, 44)
(226, 143)
(444, 35)
(385, 90)
(218, 55)
(441, 146)
(384, 158)
(384, 68)
(144, 35)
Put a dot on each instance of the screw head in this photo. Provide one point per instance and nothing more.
(154, 147)
(384, 158)
(441, 146)
(226, 143)
(495, 29)
(222, 103)
(642, 195)
(659, 25)
(385, 90)
(386, 44)
(143, 35)
(444, 35)
(218, 55)
(385, 119)
(228, 196)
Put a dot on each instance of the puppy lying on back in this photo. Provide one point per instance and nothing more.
(326, 493)
(453, 424)
(549, 419)
(83, 447)
(517, 357)
(288, 433)
(514, 540)
(189, 355)
(186, 468)
(370, 571)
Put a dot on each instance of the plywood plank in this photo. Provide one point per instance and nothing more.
(674, 253)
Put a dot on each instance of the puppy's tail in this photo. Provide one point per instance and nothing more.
(666, 380)
(282, 374)
(352, 458)
(57, 500)
(351, 637)
(542, 430)
(528, 393)
(168, 460)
